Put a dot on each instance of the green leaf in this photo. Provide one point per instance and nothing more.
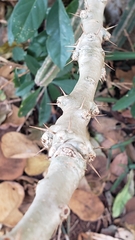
(65, 70)
(27, 17)
(18, 54)
(44, 109)
(117, 56)
(60, 34)
(2, 95)
(133, 110)
(67, 85)
(123, 144)
(106, 99)
(28, 104)
(25, 88)
(119, 180)
(10, 33)
(38, 46)
(122, 198)
(72, 8)
(54, 91)
(32, 64)
(125, 101)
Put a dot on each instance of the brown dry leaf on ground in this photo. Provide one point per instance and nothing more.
(108, 127)
(120, 234)
(11, 168)
(95, 236)
(13, 119)
(86, 205)
(119, 163)
(37, 165)
(128, 220)
(8, 87)
(7, 72)
(127, 77)
(97, 183)
(12, 195)
(5, 109)
(17, 145)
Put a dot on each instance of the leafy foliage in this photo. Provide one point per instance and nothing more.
(26, 25)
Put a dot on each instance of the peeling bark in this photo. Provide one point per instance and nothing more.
(68, 140)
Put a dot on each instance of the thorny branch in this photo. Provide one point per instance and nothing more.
(68, 140)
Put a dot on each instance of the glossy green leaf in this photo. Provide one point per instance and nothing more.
(123, 144)
(67, 85)
(60, 34)
(72, 8)
(106, 99)
(18, 54)
(119, 180)
(28, 104)
(133, 110)
(117, 56)
(24, 89)
(44, 109)
(54, 92)
(125, 101)
(37, 46)
(27, 17)
(122, 198)
(9, 32)
(32, 64)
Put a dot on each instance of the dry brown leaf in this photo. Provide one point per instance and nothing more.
(100, 164)
(13, 218)
(86, 205)
(105, 124)
(8, 87)
(95, 236)
(37, 165)
(11, 168)
(129, 218)
(13, 119)
(7, 72)
(17, 145)
(4, 110)
(97, 183)
(119, 164)
(127, 76)
(11, 197)
(126, 113)
(130, 205)
(130, 151)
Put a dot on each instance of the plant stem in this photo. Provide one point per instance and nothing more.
(68, 140)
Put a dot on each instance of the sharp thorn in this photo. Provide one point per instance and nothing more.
(112, 43)
(48, 128)
(69, 62)
(97, 120)
(95, 170)
(63, 91)
(40, 151)
(98, 147)
(76, 15)
(41, 129)
(112, 27)
(73, 46)
(52, 104)
(109, 67)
